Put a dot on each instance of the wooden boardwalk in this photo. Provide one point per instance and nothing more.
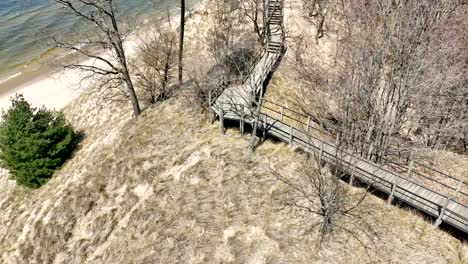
(235, 103)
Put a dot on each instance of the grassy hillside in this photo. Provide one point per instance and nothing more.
(168, 188)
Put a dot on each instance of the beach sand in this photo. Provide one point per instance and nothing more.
(57, 87)
(54, 87)
(43, 84)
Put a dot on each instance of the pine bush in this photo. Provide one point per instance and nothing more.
(34, 142)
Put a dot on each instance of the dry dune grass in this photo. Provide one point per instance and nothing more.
(446, 161)
(168, 188)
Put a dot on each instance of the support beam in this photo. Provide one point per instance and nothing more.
(351, 178)
(440, 219)
(282, 113)
(221, 118)
(210, 111)
(321, 151)
(242, 121)
(209, 98)
(395, 182)
(410, 169)
(291, 135)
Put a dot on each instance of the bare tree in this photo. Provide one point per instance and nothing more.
(157, 61)
(317, 9)
(322, 11)
(391, 83)
(310, 7)
(384, 68)
(440, 119)
(105, 35)
(254, 10)
(322, 203)
(215, 71)
(221, 37)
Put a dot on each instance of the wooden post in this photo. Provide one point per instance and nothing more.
(291, 135)
(242, 121)
(410, 168)
(282, 113)
(221, 118)
(447, 201)
(260, 101)
(351, 178)
(264, 127)
(321, 151)
(209, 98)
(394, 185)
(252, 97)
(210, 111)
(460, 184)
(308, 123)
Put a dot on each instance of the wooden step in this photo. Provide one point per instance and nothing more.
(279, 22)
(275, 47)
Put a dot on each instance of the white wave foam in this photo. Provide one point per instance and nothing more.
(10, 77)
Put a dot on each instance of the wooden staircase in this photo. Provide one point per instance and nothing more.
(275, 32)
(235, 103)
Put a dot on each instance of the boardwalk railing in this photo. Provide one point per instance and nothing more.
(445, 207)
(437, 196)
(419, 172)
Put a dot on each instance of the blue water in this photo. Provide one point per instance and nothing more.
(23, 23)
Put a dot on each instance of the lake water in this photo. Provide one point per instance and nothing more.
(23, 23)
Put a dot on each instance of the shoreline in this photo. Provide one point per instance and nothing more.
(55, 87)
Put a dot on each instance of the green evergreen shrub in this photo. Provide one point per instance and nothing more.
(34, 142)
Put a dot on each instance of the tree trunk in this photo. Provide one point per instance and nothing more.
(120, 51)
(133, 97)
(128, 81)
(181, 41)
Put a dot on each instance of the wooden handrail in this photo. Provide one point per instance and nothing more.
(437, 203)
(444, 175)
(347, 153)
